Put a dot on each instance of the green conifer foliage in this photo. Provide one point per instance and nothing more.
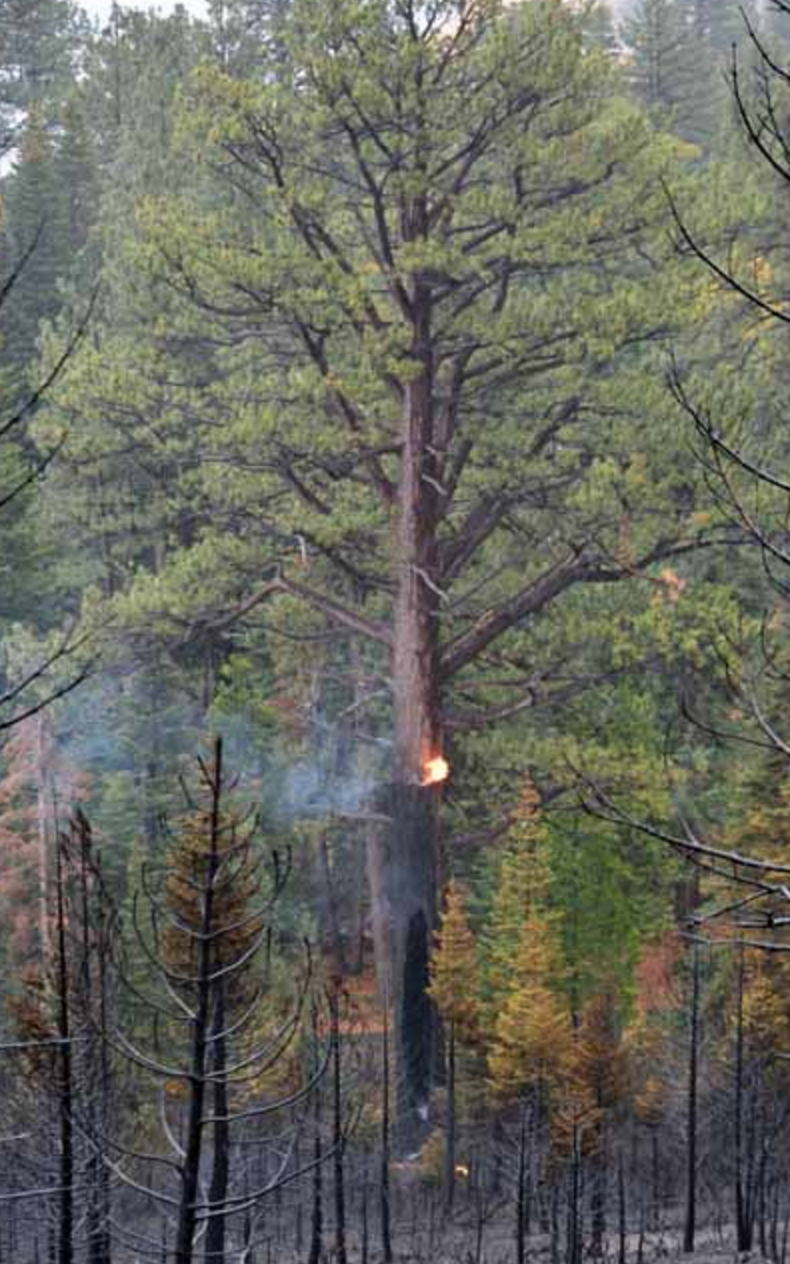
(660, 61)
(382, 347)
(33, 213)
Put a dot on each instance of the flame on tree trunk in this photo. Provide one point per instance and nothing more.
(411, 849)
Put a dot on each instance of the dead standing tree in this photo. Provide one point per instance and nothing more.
(62, 1059)
(210, 1037)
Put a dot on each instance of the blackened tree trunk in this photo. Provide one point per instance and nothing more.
(574, 1245)
(743, 1218)
(193, 1146)
(364, 1252)
(598, 1197)
(622, 1210)
(413, 844)
(449, 1153)
(341, 1254)
(521, 1191)
(689, 1229)
(65, 1086)
(384, 1182)
(317, 1223)
(220, 1172)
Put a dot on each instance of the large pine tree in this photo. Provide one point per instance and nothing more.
(410, 322)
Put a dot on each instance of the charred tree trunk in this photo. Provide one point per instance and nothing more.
(655, 1172)
(598, 1197)
(574, 1245)
(317, 1224)
(220, 1173)
(622, 1211)
(412, 857)
(91, 949)
(743, 1218)
(521, 1191)
(65, 1086)
(449, 1154)
(193, 1146)
(384, 1184)
(689, 1229)
(338, 1140)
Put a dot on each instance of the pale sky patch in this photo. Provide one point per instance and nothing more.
(100, 9)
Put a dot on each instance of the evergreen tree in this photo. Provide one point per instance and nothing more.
(661, 64)
(715, 27)
(449, 366)
(76, 175)
(522, 882)
(248, 34)
(455, 991)
(39, 42)
(34, 241)
(532, 1037)
(455, 984)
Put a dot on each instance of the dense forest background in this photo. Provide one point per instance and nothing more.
(394, 569)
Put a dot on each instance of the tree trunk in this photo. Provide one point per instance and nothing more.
(689, 1229)
(598, 1198)
(317, 1225)
(193, 1147)
(622, 1210)
(43, 802)
(338, 1140)
(331, 916)
(449, 1155)
(384, 1184)
(412, 857)
(66, 1087)
(521, 1191)
(220, 1172)
(364, 1253)
(743, 1220)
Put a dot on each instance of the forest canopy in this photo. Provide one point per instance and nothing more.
(394, 557)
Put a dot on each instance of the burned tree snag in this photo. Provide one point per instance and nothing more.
(411, 902)
(413, 845)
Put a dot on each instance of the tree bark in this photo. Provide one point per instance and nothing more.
(338, 1140)
(743, 1220)
(521, 1191)
(384, 1183)
(317, 1224)
(449, 1157)
(220, 1172)
(412, 857)
(193, 1147)
(66, 1087)
(689, 1229)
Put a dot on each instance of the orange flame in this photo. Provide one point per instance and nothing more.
(435, 771)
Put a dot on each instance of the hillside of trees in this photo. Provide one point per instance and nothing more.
(394, 578)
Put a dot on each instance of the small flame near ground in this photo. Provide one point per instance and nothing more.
(435, 771)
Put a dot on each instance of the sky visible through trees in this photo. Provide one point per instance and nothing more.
(101, 9)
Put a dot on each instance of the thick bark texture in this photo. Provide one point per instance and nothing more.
(411, 886)
(412, 852)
